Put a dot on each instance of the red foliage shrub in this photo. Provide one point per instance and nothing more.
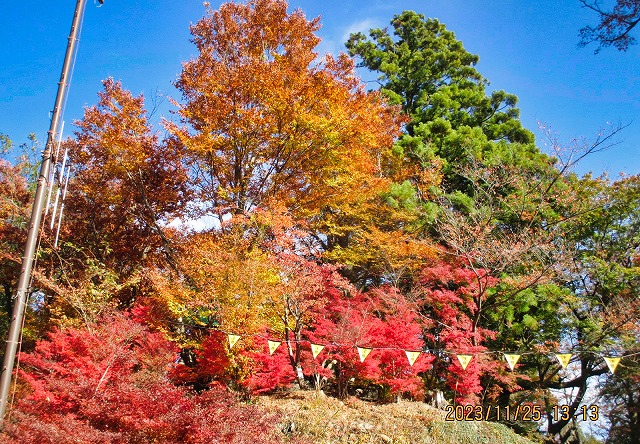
(267, 372)
(111, 384)
(381, 319)
(453, 296)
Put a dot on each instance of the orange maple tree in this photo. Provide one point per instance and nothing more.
(265, 118)
(133, 182)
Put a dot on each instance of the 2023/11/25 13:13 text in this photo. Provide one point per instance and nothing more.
(524, 412)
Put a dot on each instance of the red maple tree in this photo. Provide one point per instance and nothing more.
(111, 384)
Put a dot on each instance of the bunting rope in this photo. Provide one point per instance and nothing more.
(463, 359)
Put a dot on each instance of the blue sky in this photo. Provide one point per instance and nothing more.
(526, 48)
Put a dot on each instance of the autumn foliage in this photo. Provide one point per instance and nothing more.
(288, 229)
(13, 216)
(111, 384)
(264, 118)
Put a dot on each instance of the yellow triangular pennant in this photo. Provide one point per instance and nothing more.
(563, 359)
(363, 353)
(464, 360)
(232, 339)
(316, 349)
(273, 345)
(612, 363)
(512, 360)
(412, 356)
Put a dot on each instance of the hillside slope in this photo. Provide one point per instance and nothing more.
(314, 417)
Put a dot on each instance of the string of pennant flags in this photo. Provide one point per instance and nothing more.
(413, 355)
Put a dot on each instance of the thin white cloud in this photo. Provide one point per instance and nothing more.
(334, 42)
(360, 26)
(328, 46)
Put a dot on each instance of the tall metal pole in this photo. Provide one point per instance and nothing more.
(22, 290)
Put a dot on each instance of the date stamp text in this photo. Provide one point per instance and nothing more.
(522, 412)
